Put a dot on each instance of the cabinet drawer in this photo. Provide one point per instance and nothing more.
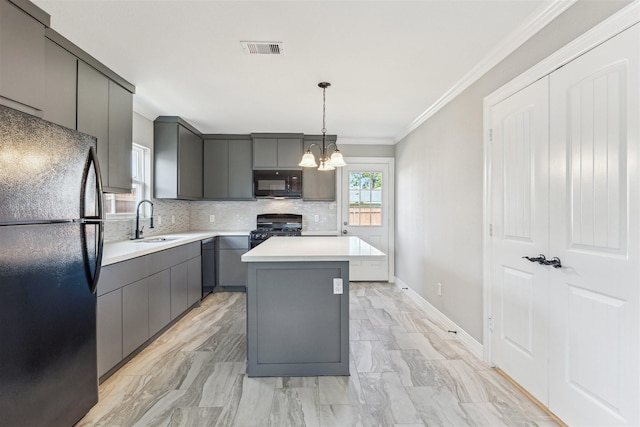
(117, 275)
(233, 242)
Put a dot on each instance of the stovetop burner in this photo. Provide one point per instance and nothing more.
(268, 225)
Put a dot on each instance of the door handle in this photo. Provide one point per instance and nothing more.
(344, 232)
(554, 262)
(540, 259)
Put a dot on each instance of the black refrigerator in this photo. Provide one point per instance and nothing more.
(51, 235)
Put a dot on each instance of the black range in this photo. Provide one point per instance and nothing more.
(268, 225)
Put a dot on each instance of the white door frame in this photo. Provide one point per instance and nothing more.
(390, 162)
(620, 21)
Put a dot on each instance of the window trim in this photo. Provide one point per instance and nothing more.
(144, 162)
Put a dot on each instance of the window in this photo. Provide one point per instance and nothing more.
(125, 203)
(365, 198)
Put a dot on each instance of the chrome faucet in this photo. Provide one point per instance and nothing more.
(138, 234)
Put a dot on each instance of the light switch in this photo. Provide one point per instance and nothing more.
(337, 286)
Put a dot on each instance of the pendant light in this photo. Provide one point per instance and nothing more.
(327, 163)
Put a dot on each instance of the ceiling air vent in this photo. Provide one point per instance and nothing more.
(263, 48)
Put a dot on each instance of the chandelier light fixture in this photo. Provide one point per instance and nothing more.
(327, 162)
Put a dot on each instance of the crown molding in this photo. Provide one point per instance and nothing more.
(365, 141)
(524, 32)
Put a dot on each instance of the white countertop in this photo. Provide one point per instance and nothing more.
(281, 249)
(114, 252)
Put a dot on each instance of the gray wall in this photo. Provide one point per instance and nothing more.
(439, 173)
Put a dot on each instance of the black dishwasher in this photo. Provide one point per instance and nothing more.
(208, 266)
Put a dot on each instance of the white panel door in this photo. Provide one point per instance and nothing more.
(366, 214)
(519, 206)
(595, 231)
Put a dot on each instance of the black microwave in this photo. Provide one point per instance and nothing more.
(273, 184)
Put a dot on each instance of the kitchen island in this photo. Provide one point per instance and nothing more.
(298, 304)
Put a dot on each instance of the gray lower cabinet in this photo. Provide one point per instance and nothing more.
(179, 290)
(232, 272)
(60, 85)
(22, 53)
(177, 159)
(228, 170)
(109, 321)
(159, 301)
(135, 315)
(139, 297)
(194, 280)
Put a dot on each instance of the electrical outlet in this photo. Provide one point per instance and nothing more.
(316, 218)
(173, 219)
(439, 289)
(212, 218)
(337, 286)
(159, 219)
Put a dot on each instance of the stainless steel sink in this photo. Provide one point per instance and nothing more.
(155, 240)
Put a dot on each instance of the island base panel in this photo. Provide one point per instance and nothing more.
(296, 324)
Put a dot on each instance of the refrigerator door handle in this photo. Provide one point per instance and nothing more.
(97, 220)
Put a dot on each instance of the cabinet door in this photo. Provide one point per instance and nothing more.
(289, 153)
(120, 137)
(194, 280)
(159, 301)
(240, 169)
(179, 289)
(21, 56)
(93, 112)
(231, 270)
(60, 79)
(318, 185)
(109, 330)
(135, 315)
(190, 164)
(265, 153)
(216, 169)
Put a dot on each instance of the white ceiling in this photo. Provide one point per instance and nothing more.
(387, 61)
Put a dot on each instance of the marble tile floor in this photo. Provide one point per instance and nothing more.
(405, 371)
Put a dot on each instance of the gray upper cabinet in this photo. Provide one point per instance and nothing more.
(318, 185)
(120, 137)
(60, 83)
(228, 167)
(105, 110)
(93, 112)
(22, 56)
(278, 151)
(178, 160)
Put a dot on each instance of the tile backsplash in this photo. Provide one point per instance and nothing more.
(228, 216)
(242, 215)
(163, 210)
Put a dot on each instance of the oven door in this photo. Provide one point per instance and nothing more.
(277, 184)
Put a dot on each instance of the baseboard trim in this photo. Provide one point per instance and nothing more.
(471, 343)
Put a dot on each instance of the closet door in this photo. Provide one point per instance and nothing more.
(519, 217)
(594, 230)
